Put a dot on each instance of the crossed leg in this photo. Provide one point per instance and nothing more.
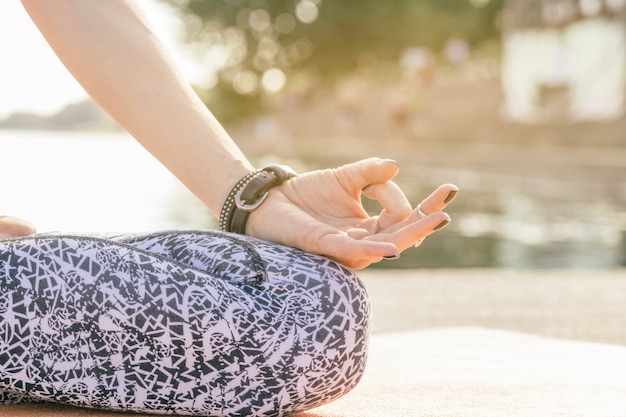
(196, 323)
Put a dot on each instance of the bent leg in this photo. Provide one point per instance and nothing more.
(10, 398)
(190, 323)
(319, 309)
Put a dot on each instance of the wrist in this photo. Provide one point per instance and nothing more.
(248, 194)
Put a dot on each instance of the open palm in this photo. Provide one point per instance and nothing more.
(321, 212)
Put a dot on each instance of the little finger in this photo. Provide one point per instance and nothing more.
(438, 199)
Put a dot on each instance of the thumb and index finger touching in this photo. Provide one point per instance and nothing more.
(373, 177)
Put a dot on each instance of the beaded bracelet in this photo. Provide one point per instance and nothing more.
(248, 194)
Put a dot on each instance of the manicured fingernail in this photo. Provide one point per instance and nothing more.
(392, 257)
(441, 225)
(451, 196)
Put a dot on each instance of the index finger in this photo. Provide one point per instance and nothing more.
(396, 206)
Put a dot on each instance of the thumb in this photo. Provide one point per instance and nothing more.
(368, 171)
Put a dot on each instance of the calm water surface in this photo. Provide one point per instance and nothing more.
(85, 182)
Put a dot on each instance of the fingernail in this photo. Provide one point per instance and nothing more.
(441, 225)
(451, 196)
(392, 257)
(391, 161)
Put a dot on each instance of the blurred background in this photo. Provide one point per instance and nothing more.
(518, 102)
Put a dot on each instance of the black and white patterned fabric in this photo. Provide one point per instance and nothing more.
(183, 322)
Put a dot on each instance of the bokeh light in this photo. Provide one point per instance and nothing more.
(285, 23)
(307, 11)
(245, 82)
(259, 20)
(274, 80)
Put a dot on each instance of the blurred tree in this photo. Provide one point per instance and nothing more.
(347, 30)
(253, 45)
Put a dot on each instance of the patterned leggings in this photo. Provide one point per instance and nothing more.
(185, 322)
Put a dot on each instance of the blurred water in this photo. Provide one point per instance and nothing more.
(514, 230)
(87, 182)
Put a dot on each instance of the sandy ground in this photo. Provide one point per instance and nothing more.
(573, 304)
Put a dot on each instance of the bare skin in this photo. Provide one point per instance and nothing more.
(109, 48)
(14, 227)
(324, 208)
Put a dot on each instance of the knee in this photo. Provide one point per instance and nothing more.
(334, 354)
(318, 316)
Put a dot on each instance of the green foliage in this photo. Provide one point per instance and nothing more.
(347, 29)
(227, 105)
(333, 43)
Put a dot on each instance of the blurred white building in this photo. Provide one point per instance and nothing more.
(563, 60)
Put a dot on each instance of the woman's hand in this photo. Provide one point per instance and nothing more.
(321, 212)
(12, 227)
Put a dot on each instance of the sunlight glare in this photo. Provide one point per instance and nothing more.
(307, 11)
(273, 80)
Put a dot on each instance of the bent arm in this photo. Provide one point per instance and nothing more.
(110, 49)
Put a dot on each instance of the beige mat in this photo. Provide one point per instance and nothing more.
(466, 372)
(471, 372)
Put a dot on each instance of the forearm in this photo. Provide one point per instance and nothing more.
(111, 51)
